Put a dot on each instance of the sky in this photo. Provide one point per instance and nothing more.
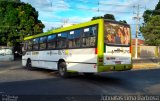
(54, 13)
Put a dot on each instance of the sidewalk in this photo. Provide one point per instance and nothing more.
(146, 63)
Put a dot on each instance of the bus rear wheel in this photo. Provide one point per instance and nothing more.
(62, 69)
(29, 65)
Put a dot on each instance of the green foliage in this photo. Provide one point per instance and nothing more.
(109, 16)
(158, 6)
(146, 15)
(151, 31)
(17, 20)
(123, 21)
(151, 26)
(106, 16)
(97, 17)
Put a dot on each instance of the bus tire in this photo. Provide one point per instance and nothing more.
(62, 70)
(29, 65)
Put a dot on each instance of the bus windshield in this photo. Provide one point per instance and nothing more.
(117, 34)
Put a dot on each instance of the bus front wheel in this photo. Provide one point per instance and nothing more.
(62, 69)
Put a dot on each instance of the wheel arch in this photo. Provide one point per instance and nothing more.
(59, 61)
(29, 59)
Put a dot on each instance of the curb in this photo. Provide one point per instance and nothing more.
(142, 66)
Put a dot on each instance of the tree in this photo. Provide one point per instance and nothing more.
(146, 15)
(123, 21)
(151, 27)
(97, 17)
(17, 20)
(109, 16)
(106, 16)
(158, 6)
(151, 31)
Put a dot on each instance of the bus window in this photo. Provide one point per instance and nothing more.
(25, 44)
(29, 45)
(62, 40)
(43, 43)
(36, 44)
(117, 34)
(74, 38)
(51, 41)
(89, 36)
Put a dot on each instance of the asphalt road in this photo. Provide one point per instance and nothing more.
(15, 80)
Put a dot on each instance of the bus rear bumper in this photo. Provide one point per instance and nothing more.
(121, 67)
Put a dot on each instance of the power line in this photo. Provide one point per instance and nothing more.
(95, 9)
(101, 3)
(98, 8)
(90, 9)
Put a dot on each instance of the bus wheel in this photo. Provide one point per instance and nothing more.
(62, 69)
(29, 65)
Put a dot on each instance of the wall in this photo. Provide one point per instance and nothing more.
(147, 51)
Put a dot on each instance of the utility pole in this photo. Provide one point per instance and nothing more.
(137, 18)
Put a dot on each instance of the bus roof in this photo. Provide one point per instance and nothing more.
(63, 29)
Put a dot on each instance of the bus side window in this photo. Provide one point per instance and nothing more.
(78, 38)
(74, 38)
(25, 45)
(62, 40)
(52, 41)
(29, 48)
(71, 43)
(43, 43)
(89, 36)
(35, 44)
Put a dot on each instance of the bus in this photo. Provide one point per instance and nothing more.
(91, 47)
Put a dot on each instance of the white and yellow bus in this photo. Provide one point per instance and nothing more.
(90, 47)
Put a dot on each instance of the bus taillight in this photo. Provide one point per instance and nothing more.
(96, 51)
(130, 49)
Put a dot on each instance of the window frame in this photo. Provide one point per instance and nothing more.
(63, 39)
(96, 37)
(51, 42)
(31, 45)
(34, 44)
(80, 29)
(42, 43)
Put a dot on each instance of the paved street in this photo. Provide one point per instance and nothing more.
(15, 80)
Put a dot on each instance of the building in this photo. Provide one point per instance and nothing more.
(140, 42)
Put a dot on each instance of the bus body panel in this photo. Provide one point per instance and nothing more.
(116, 59)
(117, 55)
(79, 60)
(115, 50)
